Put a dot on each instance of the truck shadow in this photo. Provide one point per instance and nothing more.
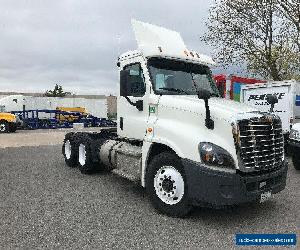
(240, 214)
(233, 216)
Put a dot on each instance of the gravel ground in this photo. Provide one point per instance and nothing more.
(45, 204)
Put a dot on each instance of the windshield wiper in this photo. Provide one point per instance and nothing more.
(175, 90)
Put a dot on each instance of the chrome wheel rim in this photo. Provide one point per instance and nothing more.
(82, 155)
(68, 149)
(2, 127)
(169, 185)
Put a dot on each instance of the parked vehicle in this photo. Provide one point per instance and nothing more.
(96, 107)
(288, 94)
(294, 145)
(177, 137)
(53, 119)
(8, 123)
(230, 86)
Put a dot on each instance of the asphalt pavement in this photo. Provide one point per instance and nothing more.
(45, 204)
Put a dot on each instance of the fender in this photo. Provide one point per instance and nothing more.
(146, 150)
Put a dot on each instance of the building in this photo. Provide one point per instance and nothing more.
(112, 106)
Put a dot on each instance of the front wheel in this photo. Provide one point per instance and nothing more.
(296, 162)
(166, 185)
(4, 127)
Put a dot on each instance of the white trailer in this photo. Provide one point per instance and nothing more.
(288, 95)
(177, 137)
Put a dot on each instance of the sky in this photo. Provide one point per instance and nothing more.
(76, 43)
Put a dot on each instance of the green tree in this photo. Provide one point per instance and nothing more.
(254, 33)
(290, 10)
(57, 92)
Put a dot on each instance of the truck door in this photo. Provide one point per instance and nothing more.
(132, 122)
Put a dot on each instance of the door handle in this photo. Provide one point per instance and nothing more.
(121, 123)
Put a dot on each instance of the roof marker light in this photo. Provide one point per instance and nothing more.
(160, 49)
(186, 53)
(192, 54)
(197, 55)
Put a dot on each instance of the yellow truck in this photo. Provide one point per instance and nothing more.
(8, 123)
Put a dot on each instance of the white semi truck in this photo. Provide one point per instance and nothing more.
(177, 137)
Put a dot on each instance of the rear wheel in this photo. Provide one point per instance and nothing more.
(87, 160)
(4, 127)
(166, 185)
(70, 150)
(296, 162)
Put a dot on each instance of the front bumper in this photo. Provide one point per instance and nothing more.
(216, 188)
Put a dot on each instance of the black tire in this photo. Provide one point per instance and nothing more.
(180, 209)
(13, 128)
(296, 162)
(90, 163)
(4, 128)
(72, 156)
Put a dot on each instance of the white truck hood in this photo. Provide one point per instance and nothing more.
(219, 108)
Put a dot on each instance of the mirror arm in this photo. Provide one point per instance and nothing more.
(128, 100)
(209, 123)
(138, 104)
(272, 108)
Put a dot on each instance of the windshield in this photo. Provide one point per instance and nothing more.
(175, 77)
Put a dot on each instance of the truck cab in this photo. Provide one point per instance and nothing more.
(177, 137)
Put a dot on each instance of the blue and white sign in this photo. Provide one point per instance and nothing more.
(266, 239)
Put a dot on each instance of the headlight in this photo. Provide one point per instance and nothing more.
(214, 155)
(294, 135)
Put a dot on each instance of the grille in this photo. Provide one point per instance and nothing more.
(261, 143)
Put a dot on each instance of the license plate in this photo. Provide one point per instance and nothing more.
(265, 196)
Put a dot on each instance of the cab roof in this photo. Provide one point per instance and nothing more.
(156, 41)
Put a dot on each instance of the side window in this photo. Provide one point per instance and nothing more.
(136, 81)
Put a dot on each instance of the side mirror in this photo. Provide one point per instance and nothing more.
(124, 76)
(203, 94)
(126, 89)
(272, 99)
(139, 105)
